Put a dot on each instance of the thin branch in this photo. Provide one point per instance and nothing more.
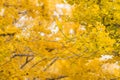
(63, 34)
(51, 63)
(6, 62)
(38, 62)
(7, 34)
(22, 55)
(26, 62)
(58, 78)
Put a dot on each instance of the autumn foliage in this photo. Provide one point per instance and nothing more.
(59, 39)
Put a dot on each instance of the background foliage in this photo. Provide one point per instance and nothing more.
(59, 40)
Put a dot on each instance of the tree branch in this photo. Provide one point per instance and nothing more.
(7, 34)
(51, 63)
(29, 57)
(26, 62)
(60, 77)
(22, 55)
(38, 62)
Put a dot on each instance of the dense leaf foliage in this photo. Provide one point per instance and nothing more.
(59, 39)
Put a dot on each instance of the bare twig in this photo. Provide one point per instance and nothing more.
(38, 62)
(29, 57)
(58, 78)
(26, 62)
(63, 34)
(6, 62)
(51, 63)
(7, 34)
(22, 55)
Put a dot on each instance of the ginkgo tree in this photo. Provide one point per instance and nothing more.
(59, 40)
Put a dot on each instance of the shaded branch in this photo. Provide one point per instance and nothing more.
(26, 62)
(63, 34)
(22, 55)
(7, 34)
(6, 62)
(38, 62)
(29, 57)
(15, 55)
(51, 63)
(60, 77)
